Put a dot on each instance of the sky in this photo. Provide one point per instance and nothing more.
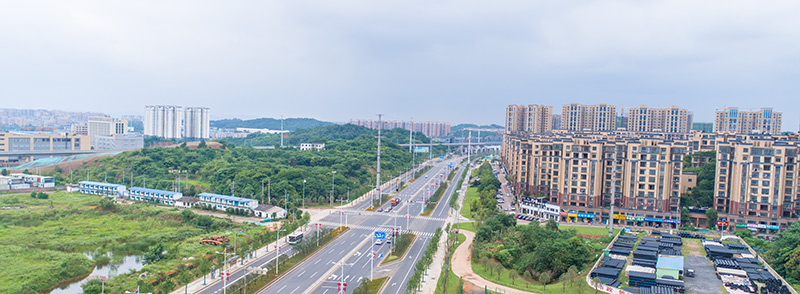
(453, 61)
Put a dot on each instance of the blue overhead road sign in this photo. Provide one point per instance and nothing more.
(380, 235)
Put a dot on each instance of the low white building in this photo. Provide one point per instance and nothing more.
(186, 202)
(309, 146)
(223, 202)
(12, 183)
(102, 189)
(154, 196)
(269, 211)
(537, 207)
(36, 181)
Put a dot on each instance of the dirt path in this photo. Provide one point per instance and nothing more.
(462, 267)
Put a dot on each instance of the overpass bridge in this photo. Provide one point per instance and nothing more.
(461, 147)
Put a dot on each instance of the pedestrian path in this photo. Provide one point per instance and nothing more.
(376, 229)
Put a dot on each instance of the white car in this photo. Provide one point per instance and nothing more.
(379, 242)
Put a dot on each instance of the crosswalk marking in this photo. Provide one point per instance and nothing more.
(413, 217)
(378, 229)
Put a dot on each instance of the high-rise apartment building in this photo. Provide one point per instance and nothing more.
(556, 122)
(732, 120)
(532, 118)
(757, 182)
(668, 120)
(428, 128)
(196, 123)
(579, 117)
(173, 122)
(515, 118)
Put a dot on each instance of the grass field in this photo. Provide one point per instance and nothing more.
(472, 193)
(46, 244)
(453, 281)
(504, 278)
(467, 226)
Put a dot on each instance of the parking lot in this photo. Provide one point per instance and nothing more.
(705, 280)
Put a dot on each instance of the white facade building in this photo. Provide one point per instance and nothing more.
(154, 196)
(164, 121)
(196, 123)
(102, 189)
(36, 181)
(536, 207)
(223, 202)
(175, 122)
(309, 146)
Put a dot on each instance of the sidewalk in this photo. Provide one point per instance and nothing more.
(462, 267)
(435, 269)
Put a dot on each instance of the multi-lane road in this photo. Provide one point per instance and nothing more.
(322, 272)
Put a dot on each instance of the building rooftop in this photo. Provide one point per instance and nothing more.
(154, 191)
(226, 197)
(99, 183)
(188, 199)
(670, 262)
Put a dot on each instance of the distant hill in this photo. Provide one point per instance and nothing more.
(289, 124)
(326, 134)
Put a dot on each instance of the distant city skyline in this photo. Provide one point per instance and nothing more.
(422, 60)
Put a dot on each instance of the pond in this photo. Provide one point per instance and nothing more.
(116, 267)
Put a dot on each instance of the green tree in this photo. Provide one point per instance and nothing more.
(596, 284)
(166, 286)
(685, 218)
(185, 278)
(155, 253)
(4, 172)
(202, 144)
(711, 215)
(551, 225)
(93, 286)
(528, 277)
(573, 273)
(544, 278)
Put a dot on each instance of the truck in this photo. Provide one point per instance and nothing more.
(395, 201)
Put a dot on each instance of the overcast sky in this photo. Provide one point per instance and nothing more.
(454, 61)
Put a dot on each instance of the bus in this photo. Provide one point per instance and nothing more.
(296, 238)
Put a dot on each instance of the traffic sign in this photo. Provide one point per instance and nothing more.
(380, 235)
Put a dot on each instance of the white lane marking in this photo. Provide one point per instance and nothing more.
(295, 289)
(317, 261)
(281, 289)
(326, 291)
(409, 269)
(312, 275)
(301, 274)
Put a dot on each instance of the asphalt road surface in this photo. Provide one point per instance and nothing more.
(322, 272)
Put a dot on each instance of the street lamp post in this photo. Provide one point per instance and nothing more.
(333, 184)
(277, 248)
(224, 280)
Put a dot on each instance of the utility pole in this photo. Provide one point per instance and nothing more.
(269, 192)
(378, 178)
(277, 248)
